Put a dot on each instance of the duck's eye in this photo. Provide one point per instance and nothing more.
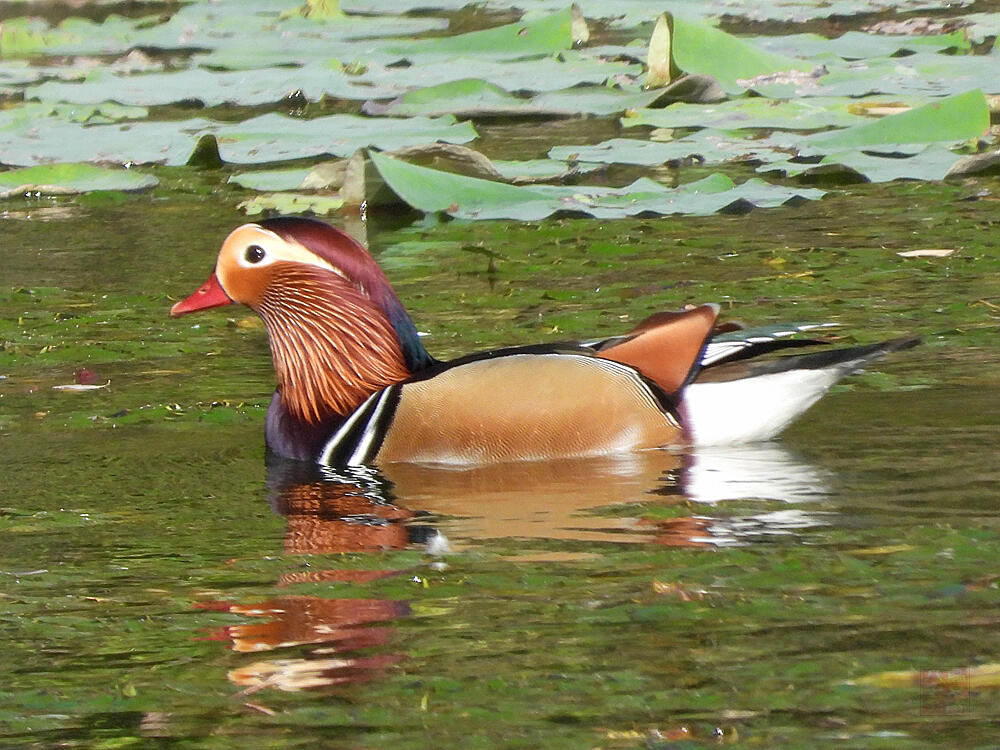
(254, 254)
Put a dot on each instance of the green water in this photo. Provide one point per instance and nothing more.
(161, 587)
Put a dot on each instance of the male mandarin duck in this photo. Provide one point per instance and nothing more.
(356, 385)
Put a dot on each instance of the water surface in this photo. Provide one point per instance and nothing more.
(164, 585)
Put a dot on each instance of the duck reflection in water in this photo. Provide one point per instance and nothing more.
(361, 509)
(605, 499)
(325, 514)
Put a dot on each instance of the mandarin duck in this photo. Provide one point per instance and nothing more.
(355, 385)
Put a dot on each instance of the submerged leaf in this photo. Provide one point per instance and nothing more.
(272, 179)
(291, 203)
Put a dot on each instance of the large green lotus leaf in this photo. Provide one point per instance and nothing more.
(55, 140)
(708, 146)
(534, 35)
(954, 118)
(699, 47)
(464, 97)
(857, 45)
(269, 85)
(471, 198)
(432, 190)
(753, 112)
(211, 88)
(274, 137)
(922, 74)
(630, 151)
(62, 179)
(28, 37)
(267, 138)
(549, 73)
(298, 41)
(928, 163)
(472, 97)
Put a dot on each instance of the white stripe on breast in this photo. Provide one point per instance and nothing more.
(333, 442)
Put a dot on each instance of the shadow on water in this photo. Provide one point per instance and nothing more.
(359, 509)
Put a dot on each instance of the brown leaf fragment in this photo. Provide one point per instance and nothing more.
(915, 26)
(668, 588)
(979, 164)
(970, 678)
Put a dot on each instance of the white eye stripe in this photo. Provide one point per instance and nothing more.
(275, 247)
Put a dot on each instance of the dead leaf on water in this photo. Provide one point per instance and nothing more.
(877, 109)
(927, 253)
(80, 387)
(685, 594)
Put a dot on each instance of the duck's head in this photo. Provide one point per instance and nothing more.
(337, 330)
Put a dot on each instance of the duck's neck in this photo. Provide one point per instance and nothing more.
(332, 346)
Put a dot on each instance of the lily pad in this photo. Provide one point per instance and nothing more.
(704, 146)
(856, 45)
(933, 162)
(471, 198)
(210, 88)
(66, 179)
(466, 97)
(274, 137)
(473, 97)
(267, 138)
(922, 74)
(755, 112)
(955, 118)
(532, 36)
(698, 47)
(547, 73)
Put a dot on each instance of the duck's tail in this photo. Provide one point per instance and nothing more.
(751, 400)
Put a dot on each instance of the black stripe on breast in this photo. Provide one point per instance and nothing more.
(360, 436)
